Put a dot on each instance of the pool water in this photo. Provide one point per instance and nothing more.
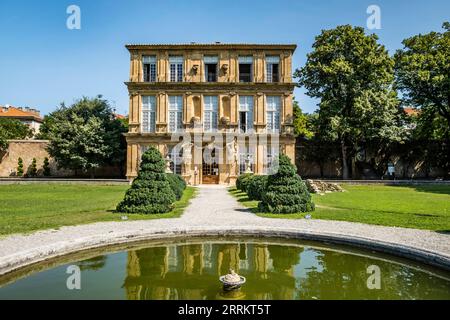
(275, 269)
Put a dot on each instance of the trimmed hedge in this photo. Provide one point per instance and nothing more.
(150, 191)
(285, 191)
(242, 181)
(177, 184)
(256, 187)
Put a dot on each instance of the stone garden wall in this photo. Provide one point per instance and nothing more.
(29, 149)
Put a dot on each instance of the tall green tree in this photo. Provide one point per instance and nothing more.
(11, 129)
(423, 73)
(85, 136)
(352, 76)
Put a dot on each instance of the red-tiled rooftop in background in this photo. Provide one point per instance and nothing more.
(411, 111)
(120, 116)
(20, 113)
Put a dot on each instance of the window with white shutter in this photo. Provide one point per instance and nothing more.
(176, 159)
(176, 68)
(148, 114)
(273, 107)
(272, 68)
(245, 113)
(149, 67)
(211, 113)
(175, 113)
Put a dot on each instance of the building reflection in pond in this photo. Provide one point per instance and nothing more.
(192, 271)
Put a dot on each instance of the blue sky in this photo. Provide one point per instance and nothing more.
(42, 63)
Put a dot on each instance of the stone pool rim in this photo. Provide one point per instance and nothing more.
(27, 258)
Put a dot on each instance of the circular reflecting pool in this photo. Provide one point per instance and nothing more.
(274, 269)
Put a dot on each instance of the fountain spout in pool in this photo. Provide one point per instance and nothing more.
(232, 281)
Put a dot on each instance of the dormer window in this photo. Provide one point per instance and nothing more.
(245, 69)
(176, 68)
(272, 68)
(149, 67)
(211, 67)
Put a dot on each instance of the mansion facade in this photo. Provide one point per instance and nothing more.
(213, 110)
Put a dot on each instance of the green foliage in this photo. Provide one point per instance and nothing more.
(423, 73)
(256, 187)
(33, 168)
(302, 123)
(150, 192)
(285, 191)
(11, 129)
(352, 76)
(46, 167)
(177, 184)
(20, 167)
(85, 136)
(242, 181)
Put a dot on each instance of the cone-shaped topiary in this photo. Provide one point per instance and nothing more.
(150, 191)
(285, 191)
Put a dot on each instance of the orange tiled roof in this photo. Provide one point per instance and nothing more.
(119, 116)
(411, 111)
(19, 113)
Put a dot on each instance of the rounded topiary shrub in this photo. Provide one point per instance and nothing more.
(256, 187)
(177, 184)
(242, 181)
(285, 191)
(150, 191)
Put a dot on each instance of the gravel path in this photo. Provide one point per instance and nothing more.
(215, 212)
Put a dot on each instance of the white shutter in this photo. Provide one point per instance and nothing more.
(148, 114)
(211, 110)
(175, 113)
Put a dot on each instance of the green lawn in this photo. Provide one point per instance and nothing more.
(421, 207)
(27, 208)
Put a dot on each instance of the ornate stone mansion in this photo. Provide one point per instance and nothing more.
(213, 110)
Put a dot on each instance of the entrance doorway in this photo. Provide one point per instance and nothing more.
(210, 168)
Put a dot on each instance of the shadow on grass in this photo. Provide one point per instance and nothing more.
(428, 188)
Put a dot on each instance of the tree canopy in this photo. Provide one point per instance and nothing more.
(301, 122)
(352, 75)
(11, 129)
(423, 76)
(85, 135)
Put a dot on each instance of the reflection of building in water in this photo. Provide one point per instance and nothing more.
(192, 271)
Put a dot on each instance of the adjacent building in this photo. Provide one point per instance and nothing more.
(230, 95)
(30, 117)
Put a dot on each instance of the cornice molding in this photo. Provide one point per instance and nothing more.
(212, 46)
(232, 87)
